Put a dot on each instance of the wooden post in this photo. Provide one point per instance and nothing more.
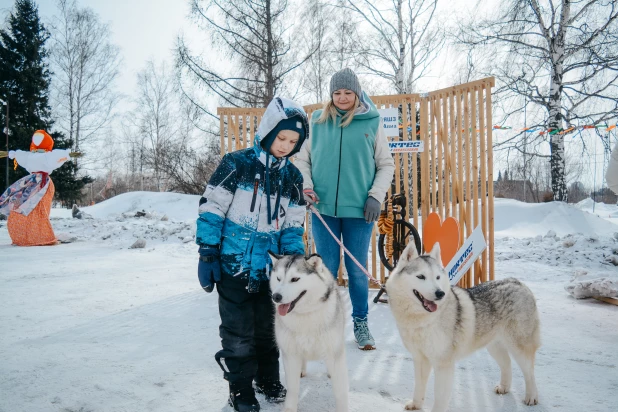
(425, 172)
(415, 156)
(460, 169)
(490, 176)
(468, 173)
(483, 182)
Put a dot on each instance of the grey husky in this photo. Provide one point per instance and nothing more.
(440, 324)
(309, 324)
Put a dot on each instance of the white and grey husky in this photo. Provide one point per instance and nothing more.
(309, 323)
(440, 324)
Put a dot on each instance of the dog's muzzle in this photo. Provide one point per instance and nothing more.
(429, 305)
(285, 308)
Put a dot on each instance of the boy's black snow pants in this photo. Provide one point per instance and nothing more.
(247, 333)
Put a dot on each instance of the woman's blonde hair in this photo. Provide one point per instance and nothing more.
(330, 112)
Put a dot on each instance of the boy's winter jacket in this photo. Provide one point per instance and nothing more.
(346, 165)
(236, 213)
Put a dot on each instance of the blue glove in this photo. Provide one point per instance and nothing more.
(209, 267)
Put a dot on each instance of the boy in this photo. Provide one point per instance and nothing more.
(252, 204)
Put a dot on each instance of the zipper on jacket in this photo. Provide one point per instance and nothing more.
(256, 186)
(339, 172)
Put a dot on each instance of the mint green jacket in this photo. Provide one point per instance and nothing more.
(346, 165)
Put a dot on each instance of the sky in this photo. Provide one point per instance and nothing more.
(143, 29)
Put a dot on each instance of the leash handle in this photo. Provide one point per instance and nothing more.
(361, 267)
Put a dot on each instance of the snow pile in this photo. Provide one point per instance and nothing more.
(584, 285)
(518, 219)
(600, 209)
(124, 229)
(123, 219)
(175, 206)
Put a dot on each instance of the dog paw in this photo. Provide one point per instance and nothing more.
(414, 406)
(531, 400)
(501, 389)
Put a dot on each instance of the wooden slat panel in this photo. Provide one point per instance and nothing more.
(222, 135)
(425, 186)
(483, 160)
(460, 166)
(467, 171)
(447, 151)
(490, 178)
(475, 171)
(437, 118)
(453, 144)
(415, 156)
(406, 156)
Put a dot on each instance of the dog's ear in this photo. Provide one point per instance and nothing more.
(274, 257)
(314, 260)
(409, 252)
(435, 253)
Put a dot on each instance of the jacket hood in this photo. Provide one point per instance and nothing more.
(366, 110)
(279, 109)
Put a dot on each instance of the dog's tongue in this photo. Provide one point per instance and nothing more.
(431, 305)
(283, 309)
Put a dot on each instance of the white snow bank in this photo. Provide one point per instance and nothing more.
(600, 209)
(518, 219)
(175, 206)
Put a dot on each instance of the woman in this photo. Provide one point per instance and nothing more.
(347, 169)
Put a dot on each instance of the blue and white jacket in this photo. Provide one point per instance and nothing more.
(233, 211)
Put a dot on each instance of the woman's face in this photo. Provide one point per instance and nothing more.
(344, 99)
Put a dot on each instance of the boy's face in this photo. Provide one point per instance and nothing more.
(284, 143)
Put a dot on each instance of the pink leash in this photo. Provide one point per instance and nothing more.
(361, 267)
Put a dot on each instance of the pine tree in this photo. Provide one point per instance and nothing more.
(24, 83)
(499, 175)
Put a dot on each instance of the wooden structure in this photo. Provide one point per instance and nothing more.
(453, 176)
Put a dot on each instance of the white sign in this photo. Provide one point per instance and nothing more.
(409, 146)
(466, 256)
(390, 121)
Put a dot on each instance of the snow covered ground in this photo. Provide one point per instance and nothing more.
(95, 326)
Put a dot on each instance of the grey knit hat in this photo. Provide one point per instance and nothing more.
(345, 79)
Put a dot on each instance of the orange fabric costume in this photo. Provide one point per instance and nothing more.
(34, 229)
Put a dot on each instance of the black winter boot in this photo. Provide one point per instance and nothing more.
(242, 398)
(273, 390)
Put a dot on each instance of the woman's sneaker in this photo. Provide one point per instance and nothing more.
(272, 390)
(362, 335)
(242, 398)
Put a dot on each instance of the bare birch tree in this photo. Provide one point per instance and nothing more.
(331, 42)
(402, 39)
(251, 35)
(155, 117)
(559, 55)
(85, 65)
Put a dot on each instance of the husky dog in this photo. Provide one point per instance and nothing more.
(440, 324)
(309, 323)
